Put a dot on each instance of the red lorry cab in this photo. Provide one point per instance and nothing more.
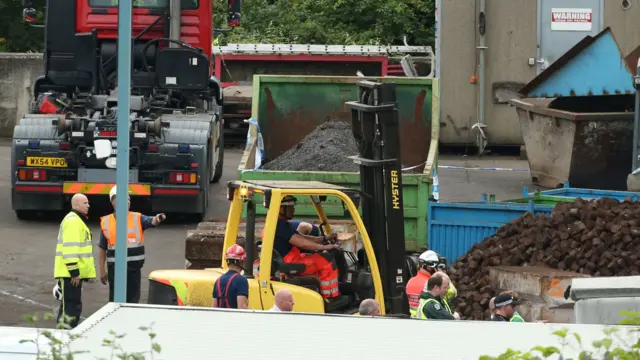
(102, 15)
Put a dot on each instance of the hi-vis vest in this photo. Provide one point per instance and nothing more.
(516, 318)
(423, 302)
(135, 237)
(74, 246)
(414, 288)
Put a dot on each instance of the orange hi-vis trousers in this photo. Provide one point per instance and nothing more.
(318, 265)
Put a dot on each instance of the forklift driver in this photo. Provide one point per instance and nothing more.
(289, 241)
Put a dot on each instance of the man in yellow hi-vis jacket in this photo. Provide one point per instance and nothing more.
(74, 260)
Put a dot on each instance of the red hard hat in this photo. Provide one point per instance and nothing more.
(236, 252)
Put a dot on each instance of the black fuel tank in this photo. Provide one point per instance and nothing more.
(182, 68)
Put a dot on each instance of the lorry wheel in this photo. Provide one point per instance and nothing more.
(197, 217)
(216, 168)
(25, 214)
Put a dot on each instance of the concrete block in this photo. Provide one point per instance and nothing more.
(18, 73)
(534, 311)
(523, 152)
(633, 182)
(534, 283)
(605, 287)
(605, 311)
(541, 290)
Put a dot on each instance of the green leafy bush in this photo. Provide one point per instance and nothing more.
(59, 342)
(603, 349)
(345, 22)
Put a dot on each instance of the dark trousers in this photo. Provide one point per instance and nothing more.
(71, 304)
(133, 283)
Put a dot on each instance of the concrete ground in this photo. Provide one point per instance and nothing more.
(466, 178)
(27, 247)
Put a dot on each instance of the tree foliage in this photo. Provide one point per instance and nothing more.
(15, 34)
(347, 22)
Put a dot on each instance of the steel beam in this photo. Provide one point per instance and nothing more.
(122, 180)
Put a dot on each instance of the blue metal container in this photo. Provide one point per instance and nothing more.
(589, 193)
(455, 227)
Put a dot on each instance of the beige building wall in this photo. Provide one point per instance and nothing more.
(511, 38)
(458, 99)
(625, 24)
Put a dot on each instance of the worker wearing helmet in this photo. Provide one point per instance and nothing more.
(136, 225)
(429, 263)
(231, 290)
(289, 241)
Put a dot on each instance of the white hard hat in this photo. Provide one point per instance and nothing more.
(57, 292)
(429, 256)
(112, 193)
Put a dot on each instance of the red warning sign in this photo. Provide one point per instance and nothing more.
(571, 19)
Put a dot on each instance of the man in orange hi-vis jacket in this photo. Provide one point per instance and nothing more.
(288, 242)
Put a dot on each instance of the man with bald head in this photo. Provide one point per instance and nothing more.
(369, 307)
(283, 301)
(74, 262)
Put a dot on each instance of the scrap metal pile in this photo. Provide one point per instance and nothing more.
(598, 238)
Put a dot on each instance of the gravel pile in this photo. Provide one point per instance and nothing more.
(326, 148)
(598, 238)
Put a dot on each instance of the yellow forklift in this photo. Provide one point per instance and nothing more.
(378, 270)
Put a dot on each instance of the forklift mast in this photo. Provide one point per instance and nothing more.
(375, 128)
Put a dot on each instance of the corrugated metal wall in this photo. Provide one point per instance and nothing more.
(455, 228)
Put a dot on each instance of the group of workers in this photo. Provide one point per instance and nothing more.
(74, 261)
(231, 290)
(429, 292)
